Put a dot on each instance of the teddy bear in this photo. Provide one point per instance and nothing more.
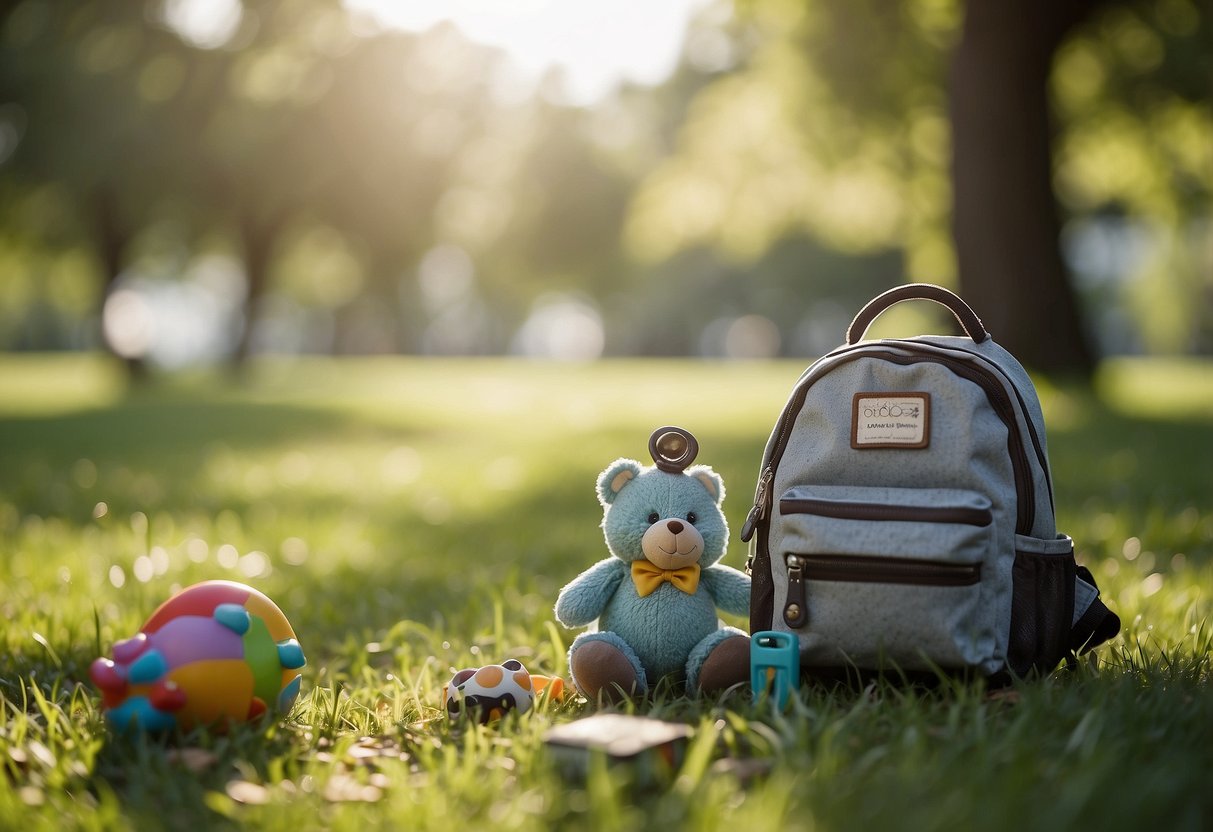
(653, 603)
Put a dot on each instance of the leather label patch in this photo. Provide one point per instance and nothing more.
(891, 420)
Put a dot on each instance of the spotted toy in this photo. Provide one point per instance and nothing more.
(488, 693)
(215, 653)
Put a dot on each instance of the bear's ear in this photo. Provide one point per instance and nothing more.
(618, 474)
(709, 479)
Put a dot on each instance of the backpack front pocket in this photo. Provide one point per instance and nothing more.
(889, 576)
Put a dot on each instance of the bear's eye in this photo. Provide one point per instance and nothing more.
(692, 517)
(654, 517)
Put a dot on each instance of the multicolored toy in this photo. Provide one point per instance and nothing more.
(215, 653)
(488, 693)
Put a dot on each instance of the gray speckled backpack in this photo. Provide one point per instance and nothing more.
(904, 511)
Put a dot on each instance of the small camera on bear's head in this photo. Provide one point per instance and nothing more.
(673, 449)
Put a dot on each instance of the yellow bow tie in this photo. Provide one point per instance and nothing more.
(647, 576)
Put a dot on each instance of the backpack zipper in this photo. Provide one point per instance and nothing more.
(758, 511)
(845, 510)
(878, 570)
(884, 570)
(795, 609)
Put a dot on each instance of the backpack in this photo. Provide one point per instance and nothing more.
(903, 517)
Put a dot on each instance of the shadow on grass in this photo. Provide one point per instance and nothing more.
(148, 452)
(162, 431)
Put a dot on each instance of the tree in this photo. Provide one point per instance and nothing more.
(882, 123)
(399, 111)
(1004, 213)
(91, 134)
(257, 151)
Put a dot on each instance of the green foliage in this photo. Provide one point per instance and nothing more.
(1133, 91)
(835, 123)
(318, 151)
(413, 518)
(798, 149)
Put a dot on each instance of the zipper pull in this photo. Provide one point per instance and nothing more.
(761, 502)
(795, 611)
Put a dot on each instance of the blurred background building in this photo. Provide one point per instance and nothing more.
(189, 182)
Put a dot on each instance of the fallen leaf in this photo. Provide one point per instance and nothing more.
(43, 754)
(745, 770)
(370, 747)
(193, 759)
(1008, 695)
(248, 793)
(342, 789)
(362, 752)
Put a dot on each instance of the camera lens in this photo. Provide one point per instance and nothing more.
(671, 446)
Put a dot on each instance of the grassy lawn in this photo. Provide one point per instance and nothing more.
(412, 518)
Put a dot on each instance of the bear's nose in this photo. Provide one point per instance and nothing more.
(675, 526)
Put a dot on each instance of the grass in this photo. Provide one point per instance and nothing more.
(416, 517)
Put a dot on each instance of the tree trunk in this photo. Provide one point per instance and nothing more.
(258, 238)
(1005, 218)
(112, 240)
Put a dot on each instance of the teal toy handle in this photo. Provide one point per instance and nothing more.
(774, 665)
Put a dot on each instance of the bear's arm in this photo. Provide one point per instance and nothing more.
(584, 599)
(730, 588)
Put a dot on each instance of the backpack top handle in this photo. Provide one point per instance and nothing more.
(968, 319)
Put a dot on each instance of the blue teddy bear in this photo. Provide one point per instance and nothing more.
(655, 599)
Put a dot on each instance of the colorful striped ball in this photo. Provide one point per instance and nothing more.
(216, 653)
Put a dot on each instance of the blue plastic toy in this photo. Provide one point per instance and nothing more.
(774, 665)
